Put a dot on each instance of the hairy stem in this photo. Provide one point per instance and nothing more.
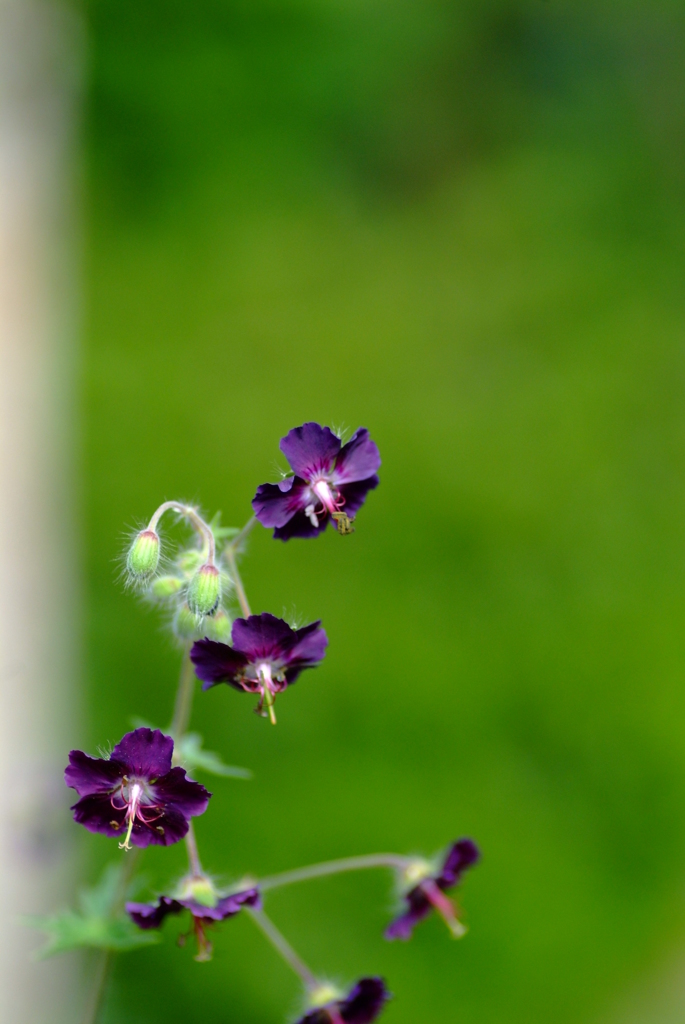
(334, 867)
(194, 517)
(237, 541)
(184, 699)
(105, 959)
(237, 581)
(283, 947)
(193, 854)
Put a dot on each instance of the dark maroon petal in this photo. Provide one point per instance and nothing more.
(418, 908)
(169, 828)
(92, 774)
(355, 494)
(216, 662)
(145, 752)
(276, 504)
(151, 915)
(95, 812)
(262, 636)
(358, 459)
(229, 906)
(310, 645)
(301, 526)
(461, 855)
(365, 1001)
(315, 1017)
(176, 792)
(310, 449)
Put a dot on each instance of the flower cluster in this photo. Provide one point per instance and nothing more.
(142, 794)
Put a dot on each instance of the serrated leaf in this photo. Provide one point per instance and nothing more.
(96, 925)
(193, 757)
(69, 930)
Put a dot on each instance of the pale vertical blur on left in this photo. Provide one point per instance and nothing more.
(39, 74)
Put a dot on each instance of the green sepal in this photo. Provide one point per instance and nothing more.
(95, 925)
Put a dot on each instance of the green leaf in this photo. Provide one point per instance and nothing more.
(222, 532)
(193, 758)
(96, 925)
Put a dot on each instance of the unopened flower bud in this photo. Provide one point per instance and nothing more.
(143, 556)
(191, 560)
(218, 627)
(204, 590)
(167, 586)
(186, 624)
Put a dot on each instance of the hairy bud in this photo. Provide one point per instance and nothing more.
(204, 590)
(143, 557)
(167, 586)
(186, 624)
(218, 627)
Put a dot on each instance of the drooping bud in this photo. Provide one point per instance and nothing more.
(186, 624)
(143, 556)
(190, 561)
(218, 627)
(204, 590)
(167, 586)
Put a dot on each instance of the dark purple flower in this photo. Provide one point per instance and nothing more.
(429, 892)
(330, 479)
(206, 907)
(266, 656)
(361, 1005)
(135, 791)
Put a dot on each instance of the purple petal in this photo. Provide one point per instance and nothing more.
(92, 774)
(355, 494)
(308, 650)
(365, 1001)
(151, 915)
(145, 752)
(358, 459)
(276, 504)
(229, 906)
(95, 812)
(261, 636)
(310, 449)
(216, 662)
(175, 792)
(418, 908)
(301, 526)
(461, 855)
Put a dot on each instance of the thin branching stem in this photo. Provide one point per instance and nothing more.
(194, 517)
(183, 704)
(335, 867)
(283, 947)
(237, 581)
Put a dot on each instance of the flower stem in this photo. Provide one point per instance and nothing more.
(99, 987)
(184, 699)
(190, 513)
(193, 854)
(105, 959)
(283, 947)
(237, 541)
(237, 581)
(334, 867)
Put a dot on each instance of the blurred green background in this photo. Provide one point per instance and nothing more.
(461, 225)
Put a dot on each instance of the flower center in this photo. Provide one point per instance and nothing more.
(267, 688)
(331, 502)
(131, 794)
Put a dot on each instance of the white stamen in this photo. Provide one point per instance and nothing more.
(323, 491)
(311, 515)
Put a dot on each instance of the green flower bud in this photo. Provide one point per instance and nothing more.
(204, 590)
(190, 561)
(186, 624)
(167, 586)
(218, 627)
(143, 557)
